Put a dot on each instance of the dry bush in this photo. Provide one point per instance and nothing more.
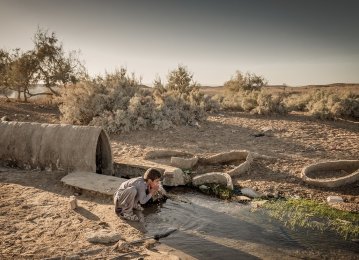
(269, 104)
(255, 102)
(325, 104)
(229, 102)
(329, 105)
(80, 103)
(244, 92)
(297, 102)
(249, 100)
(245, 82)
(346, 107)
(117, 103)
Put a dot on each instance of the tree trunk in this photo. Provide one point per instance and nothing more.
(25, 96)
(18, 94)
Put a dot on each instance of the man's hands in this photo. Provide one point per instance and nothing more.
(153, 190)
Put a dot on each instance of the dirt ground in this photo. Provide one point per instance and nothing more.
(35, 219)
(294, 141)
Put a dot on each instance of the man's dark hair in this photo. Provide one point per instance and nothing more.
(152, 174)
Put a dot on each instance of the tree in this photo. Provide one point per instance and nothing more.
(46, 64)
(181, 80)
(54, 67)
(21, 73)
(247, 82)
(5, 61)
(17, 70)
(159, 88)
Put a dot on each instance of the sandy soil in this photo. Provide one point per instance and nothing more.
(35, 219)
(294, 141)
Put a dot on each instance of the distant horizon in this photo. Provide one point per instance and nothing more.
(275, 85)
(297, 43)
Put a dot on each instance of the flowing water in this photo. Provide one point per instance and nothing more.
(210, 228)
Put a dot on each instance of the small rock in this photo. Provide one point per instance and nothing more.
(334, 199)
(268, 195)
(73, 202)
(250, 193)
(73, 257)
(27, 116)
(103, 236)
(296, 197)
(259, 135)
(104, 224)
(241, 199)
(259, 203)
(122, 246)
(203, 188)
(5, 118)
(150, 243)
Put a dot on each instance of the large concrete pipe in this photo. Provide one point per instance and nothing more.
(55, 146)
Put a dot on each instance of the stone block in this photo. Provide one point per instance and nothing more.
(184, 163)
(334, 199)
(213, 177)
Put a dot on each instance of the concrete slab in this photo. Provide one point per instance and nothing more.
(89, 181)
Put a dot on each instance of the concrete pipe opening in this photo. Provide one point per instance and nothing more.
(104, 161)
(55, 146)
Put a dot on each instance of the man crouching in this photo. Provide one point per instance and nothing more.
(136, 191)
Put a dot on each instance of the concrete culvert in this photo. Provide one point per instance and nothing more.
(55, 146)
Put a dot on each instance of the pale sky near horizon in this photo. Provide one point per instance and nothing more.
(295, 42)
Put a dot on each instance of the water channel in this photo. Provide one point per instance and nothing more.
(209, 228)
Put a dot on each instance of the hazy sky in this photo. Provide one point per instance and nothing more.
(287, 41)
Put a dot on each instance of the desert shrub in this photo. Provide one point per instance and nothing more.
(325, 104)
(346, 107)
(297, 102)
(240, 101)
(210, 104)
(269, 104)
(329, 105)
(181, 80)
(117, 103)
(229, 102)
(244, 92)
(256, 102)
(81, 102)
(249, 100)
(245, 82)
